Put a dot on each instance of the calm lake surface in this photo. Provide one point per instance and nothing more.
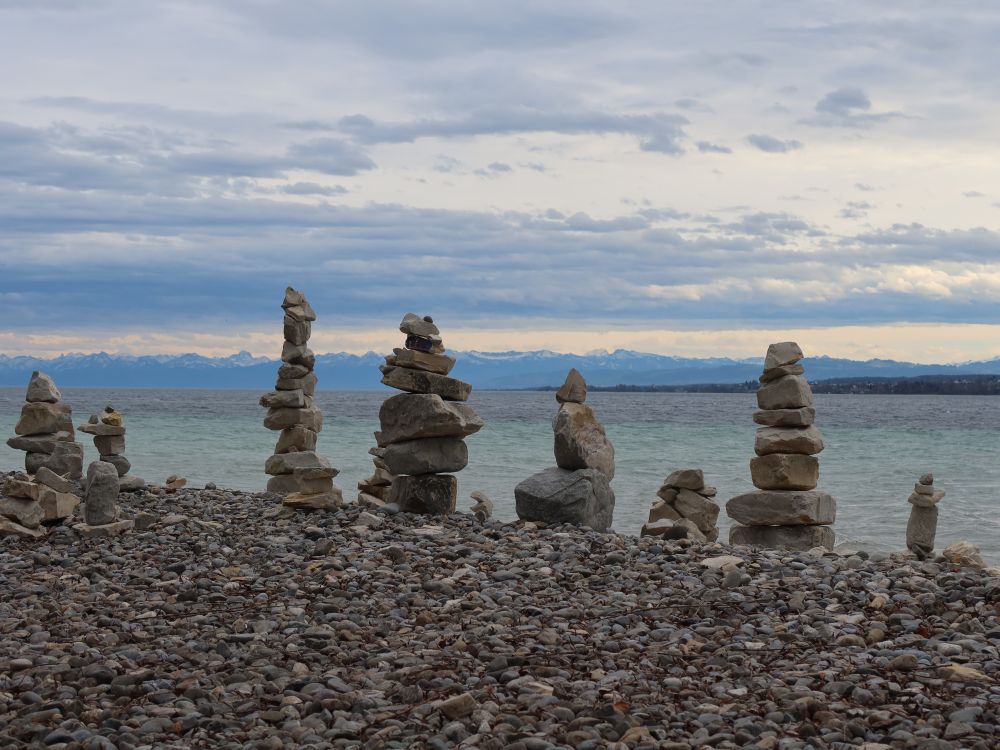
(876, 448)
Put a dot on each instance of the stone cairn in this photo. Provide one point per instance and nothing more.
(297, 472)
(922, 526)
(577, 489)
(786, 511)
(374, 491)
(422, 433)
(684, 508)
(29, 505)
(108, 430)
(100, 503)
(45, 431)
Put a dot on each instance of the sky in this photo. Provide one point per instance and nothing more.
(688, 179)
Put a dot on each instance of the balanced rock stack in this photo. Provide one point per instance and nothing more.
(578, 488)
(786, 511)
(422, 431)
(684, 508)
(375, 490)
(45, 431)
(100, 503)
(297, 472)
(108, 430)
(28, 505)
(922, 526)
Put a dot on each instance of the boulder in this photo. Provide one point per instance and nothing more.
(580, 440)
(784, 471)
(122, 465)
(414, 325)
(41, 389)
(415, 360)
(296, 438)
(431, 494)
(788, 392)
(701, 511)
(556, 495)
(292, 399)
(287, 463)
(785, 417)
(921, 530)
(802, 440)
(412, 416)
(797, 538)
(297, 331)
(43, 418)
(14, 529)
(427, 456)
(39, 443)
(28, 513)
(101, 494)
(420, 381)
(66, 460)
(279, 419)
(778, 372)
(783, 508)
(56, 505)
(781, 354)
(49, 478)
(573, 390)
(689, 479)
(113, 445)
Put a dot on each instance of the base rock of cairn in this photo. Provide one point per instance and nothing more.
(29, 505)
(297, 472)
(421, 442)
(577, 489)
(684, 508)
(786, 511)
(45, 431)
(108, 430)
(100, 503)
(922, 526)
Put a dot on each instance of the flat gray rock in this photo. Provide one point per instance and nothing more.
(788, 392)
(410, 416)
(59, 483)
(421, 381)
(287, 463)
(798, 538)
(783, 508)
(279, 419)
(121, 464)
(101, 494)
(426, 456)
(306, 384)
(802, 440)
(779, 372)
(689, 479)
(784, 471)
(99, 429)
(39, 443)
(785, 417)
(416, 360)
(582, 497)
(415, 325)
(290, 399)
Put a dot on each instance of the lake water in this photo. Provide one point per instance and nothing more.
(876, 448)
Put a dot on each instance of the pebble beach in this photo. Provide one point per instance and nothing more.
(225, 620)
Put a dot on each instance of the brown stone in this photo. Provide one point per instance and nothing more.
(788, 392)
(804, 440)
(420, 381)
(784, 471)
(783, 508)
(797, 538)
(785, 417)
(580, 440)
(431, 494)
(573, 390)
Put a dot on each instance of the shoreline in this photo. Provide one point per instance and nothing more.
(231, 622)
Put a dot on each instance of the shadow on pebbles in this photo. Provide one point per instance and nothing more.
(229, 622)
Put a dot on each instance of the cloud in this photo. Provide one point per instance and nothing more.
(856, 209)
(311, 188)
(973, 194)
(848, 107)
(494, 169)
(772, 145)
(712, 148)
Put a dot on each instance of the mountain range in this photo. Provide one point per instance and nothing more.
(485, 370)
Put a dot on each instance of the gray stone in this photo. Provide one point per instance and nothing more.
(788, 392)
(66, 460)
(662, 510)
(306, 384)
(573, 390)
(298, 354)
(101, 494)
(14, 529)
(43, 418)
(927, 479)
(786, 417)
(297, 438)
(121, 464)
(291, 372)
(693, 532)
(279, 419)
(129, 483)
(416, 360)
(431, 494)
(296, 305)
(482, 506)
(701, 511)
(99, 429)
(784, 508)
(414, 325)
(28, 513)
(558, 495)
(297, 331)
(20, 486)
(921, 500)
(410, 416)
(49, 478)
(781, 354)
(784, 471)
(921, 530)
(802, 440)
(39, 443)
(328, 499)
(580, 440)
(689, 479)
(41, 388)
(779, 372)
(56, 505)
(420, 381)
(105, 530)
(426, 456)
(292, 399)
(798, 538)
(286, 463)
(113, 445)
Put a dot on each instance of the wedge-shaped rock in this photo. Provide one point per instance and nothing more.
(689, 479)
(413, 325)
(580, 440)
(783, 508)
(56, 482)
(784, 471)
(43, 418)
(28, 513)
(412, 416)
(296, 305)
(431, 494)
(101, 494)
(39, 443)
(781, 354)
(427, 456)
(41, 389)
(783, 537)
(701, 511)
(326, 500)
(21, 487)
(664, 528)
(56, 505)
(662, 510)
(104, 530)
(419, 381)
(297, 438)
(789, 392)
(804, 440)
(306, 384)
(279, 419)
(779, 372)
(294, 399)
(100, 429)
(582, 497)
(785, 417)
(416, 360)
(289, 372)
(66, 460)
(573, 390)
(287, 463)
(13, 528)
(297, 331)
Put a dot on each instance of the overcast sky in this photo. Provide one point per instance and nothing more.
(688, 178)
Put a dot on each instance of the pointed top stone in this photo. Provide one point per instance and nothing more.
(41, 388)
(574, 390)
(781, 354)
(296, 306)
(927, 479)
(413, 325)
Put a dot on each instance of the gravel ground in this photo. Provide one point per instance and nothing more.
(229, 622)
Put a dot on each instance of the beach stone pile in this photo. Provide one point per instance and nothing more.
(100, 503)
(577, 489)
(786, 511)
(422, 431)
(45, 431)
(684, 508)
(922, 526)
(375, 490)
(297, 471)
(108, 430)
(28, 505)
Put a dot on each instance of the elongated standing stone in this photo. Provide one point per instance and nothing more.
(922, 526)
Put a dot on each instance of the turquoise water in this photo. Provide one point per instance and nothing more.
(877, 446)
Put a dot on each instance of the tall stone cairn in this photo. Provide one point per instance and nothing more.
(577, 489)
(45, 431)
(922, 526)
(108, 430)
(684, 508)
(786, 511)
(297, 472)
(421, 440)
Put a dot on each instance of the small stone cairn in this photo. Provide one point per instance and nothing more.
(374, 491)
(578, 488)
(297, 472)
(28, 506)
(684, 508)
(922, 526)
(45, 431)
(108, 430)
(100, 503)
(422, 433)
(786, 511)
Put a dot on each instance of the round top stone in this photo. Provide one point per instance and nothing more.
(927, 479)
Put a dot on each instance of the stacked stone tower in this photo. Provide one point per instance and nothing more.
(684, 508)
(108, 430)
(922, 526)
(786, 510)
(45, 431)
